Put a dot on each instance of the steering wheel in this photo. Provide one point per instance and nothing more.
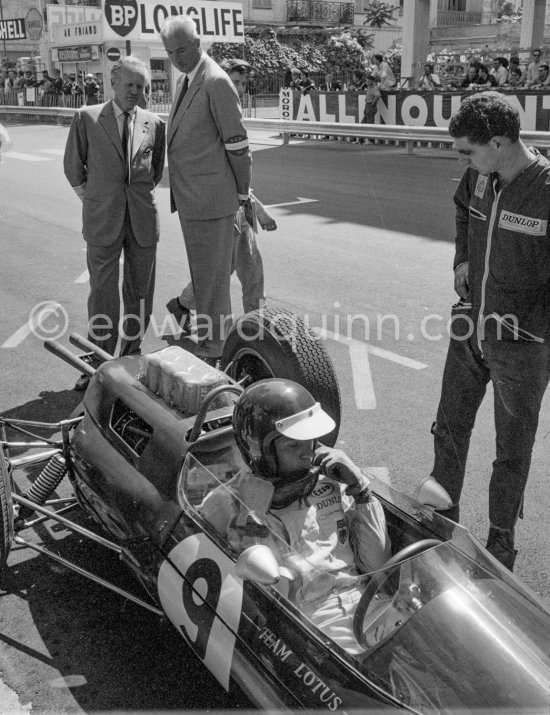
(379, 577)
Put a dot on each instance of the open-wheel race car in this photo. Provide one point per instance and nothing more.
(442, 627)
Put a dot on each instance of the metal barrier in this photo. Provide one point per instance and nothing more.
(286, 129)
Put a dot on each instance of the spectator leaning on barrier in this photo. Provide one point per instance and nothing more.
(44, 85)
(484, 79)
(10, 80)
(543, 80)
(499, 71)
(306, 83)
(330, 84)
(429, 79)
(357, 83)
(532, 73)
(295, 79)
(469, 81)
(29, 80)
(67, 88)
(515, 64)
(57, 86)
(77, 91)
(514, 78)
(91, 90)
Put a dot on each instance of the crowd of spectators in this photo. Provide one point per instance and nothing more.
(504, 73)
(45, 89)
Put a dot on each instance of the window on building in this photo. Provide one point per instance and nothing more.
(453, 5)
(262, 4)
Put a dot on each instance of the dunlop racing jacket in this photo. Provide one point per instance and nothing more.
(503, 234)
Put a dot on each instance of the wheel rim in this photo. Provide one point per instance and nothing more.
(249, 366)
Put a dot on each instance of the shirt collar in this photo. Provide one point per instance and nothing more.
(119, 111)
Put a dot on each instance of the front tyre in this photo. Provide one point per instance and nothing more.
(273, 342)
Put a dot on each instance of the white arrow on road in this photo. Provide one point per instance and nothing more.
(365, 399)
(293, 203)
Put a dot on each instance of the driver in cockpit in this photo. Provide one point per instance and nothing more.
(309, 503)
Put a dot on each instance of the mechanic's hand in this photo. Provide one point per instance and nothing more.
(461, 281)
(337, 465)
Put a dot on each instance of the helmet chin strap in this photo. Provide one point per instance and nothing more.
(304, 487)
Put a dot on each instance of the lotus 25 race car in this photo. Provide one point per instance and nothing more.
(442, 627)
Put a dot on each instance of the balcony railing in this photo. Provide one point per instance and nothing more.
(452, 17)
(320, 11)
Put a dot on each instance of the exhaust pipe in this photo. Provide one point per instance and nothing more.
(65, 354)
(84, 344)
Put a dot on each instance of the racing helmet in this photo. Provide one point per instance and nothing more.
(266, 410)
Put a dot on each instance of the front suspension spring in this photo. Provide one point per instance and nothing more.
(45, 484)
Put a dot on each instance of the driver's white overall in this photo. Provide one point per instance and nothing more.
(327, 540)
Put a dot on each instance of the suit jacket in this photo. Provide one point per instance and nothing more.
(209, 160)
(334, 87)
(94, 160)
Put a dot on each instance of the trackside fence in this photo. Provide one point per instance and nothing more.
(286, 129)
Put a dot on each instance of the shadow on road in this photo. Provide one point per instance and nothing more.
(69, 638)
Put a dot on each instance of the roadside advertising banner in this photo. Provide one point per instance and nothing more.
(420, 109)
(13, 29)
(217, 20)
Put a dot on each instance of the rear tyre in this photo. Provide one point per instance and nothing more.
(6, 510)
(273, 342)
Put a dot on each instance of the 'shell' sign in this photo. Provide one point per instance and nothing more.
(216, 20)
(12, 29)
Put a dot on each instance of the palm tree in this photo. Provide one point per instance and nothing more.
(379, 13)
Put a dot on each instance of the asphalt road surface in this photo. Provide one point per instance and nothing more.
(363, 250)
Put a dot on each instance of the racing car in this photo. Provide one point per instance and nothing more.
(441, 627)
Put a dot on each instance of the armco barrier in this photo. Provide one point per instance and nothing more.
(384, 132)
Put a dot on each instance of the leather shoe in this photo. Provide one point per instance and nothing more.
(181, 314)
(82, 383)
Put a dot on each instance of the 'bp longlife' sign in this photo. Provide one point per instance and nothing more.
(216, 20)
(13, 29)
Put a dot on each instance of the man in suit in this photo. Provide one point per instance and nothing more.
(330, 85)
(114, 158)
(209, 165)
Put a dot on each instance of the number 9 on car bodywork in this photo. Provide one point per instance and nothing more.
(202, 596)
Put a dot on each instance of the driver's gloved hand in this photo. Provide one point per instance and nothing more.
(338, 466)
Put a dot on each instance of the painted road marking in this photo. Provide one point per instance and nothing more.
(293, 203)
(83, 277)
(365, 397)
(25, 157)
(32, 326)
(363, 388)
(56, 152)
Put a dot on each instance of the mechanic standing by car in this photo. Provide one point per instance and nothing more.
(309, 503)
(501, 325)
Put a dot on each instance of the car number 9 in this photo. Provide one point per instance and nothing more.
(205, 605)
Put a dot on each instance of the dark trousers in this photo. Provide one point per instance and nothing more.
(138, 285)
(519, 371)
